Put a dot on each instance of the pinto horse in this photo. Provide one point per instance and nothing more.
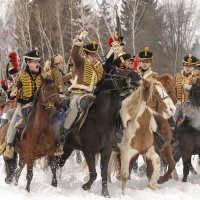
(98, 133)
(165, 131)
(137, 113)
(38, 139)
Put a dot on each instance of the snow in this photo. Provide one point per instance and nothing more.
(72, 177)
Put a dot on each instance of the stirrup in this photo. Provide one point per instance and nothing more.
(9, 152)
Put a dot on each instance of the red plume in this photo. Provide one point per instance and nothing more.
(136, 62)
(3, 81)
(110, 40)
(14, 59)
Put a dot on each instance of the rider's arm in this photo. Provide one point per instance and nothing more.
(78, 61)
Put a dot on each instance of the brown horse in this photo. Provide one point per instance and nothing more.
(137, 113)
(39, 138)
(165, 131)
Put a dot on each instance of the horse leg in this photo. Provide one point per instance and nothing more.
(105, 156)
(52, 164)
(168, 155)
(78, 157)
(112, 159)
(192, 170)
(151, 154)
(60, 161)
(186, 165)
(11, 165)
(133, 165)
(90, 159)
(149, 168)
(19, 170)
(126, 156)
(29, 174)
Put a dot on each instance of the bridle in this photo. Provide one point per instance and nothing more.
(163, 97)
(45, 100)
(115, 78)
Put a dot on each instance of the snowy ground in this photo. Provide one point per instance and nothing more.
(71, 180)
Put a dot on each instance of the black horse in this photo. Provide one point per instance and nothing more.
(187, 134)
(98, 133)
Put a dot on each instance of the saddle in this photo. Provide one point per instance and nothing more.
(84, 104)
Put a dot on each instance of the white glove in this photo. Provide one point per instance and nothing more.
(117, 49)
(83, 35)
(187, 87)
(78, 41)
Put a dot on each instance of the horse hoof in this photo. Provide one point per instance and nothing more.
(8, 180)
(28, 189)
(86, 186)
(54, 184)
(105, 194)
(184, 180)
(161, 180)
(152, 186)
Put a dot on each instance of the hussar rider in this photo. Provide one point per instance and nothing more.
(87, 71)
(146, 59)
(28, 82)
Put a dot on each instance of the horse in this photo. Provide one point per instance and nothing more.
(98, 132)
(187, 133)
(165, 131)
(38, 138)
(137, 113)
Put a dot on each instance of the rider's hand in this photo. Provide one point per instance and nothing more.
(13, 92)
(83, 35)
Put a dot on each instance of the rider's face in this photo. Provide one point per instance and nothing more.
(188, 68)
(34, 65)
(145, 64)
(127, 63)
(92, 58)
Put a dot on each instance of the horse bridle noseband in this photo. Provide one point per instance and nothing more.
(45, 102)
(157, 101)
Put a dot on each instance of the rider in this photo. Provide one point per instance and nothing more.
(28, 82)
(196, 76)
(185, 77)
(146, 59)
(87, 71)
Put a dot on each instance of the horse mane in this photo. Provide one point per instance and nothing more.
(36, 97)
(136, 98)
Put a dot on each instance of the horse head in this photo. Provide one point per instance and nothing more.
(120, 82)
(169, 85)
(48, 95)
(157, 99)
